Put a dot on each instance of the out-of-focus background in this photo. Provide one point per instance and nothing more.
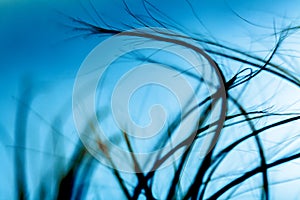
(41, 51)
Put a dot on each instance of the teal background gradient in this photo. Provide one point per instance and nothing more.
(40, 46)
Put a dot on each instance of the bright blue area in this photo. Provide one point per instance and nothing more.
(36, 42)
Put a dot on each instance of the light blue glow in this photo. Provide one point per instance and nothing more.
(38, 44)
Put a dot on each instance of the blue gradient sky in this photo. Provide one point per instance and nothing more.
(36, 42)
